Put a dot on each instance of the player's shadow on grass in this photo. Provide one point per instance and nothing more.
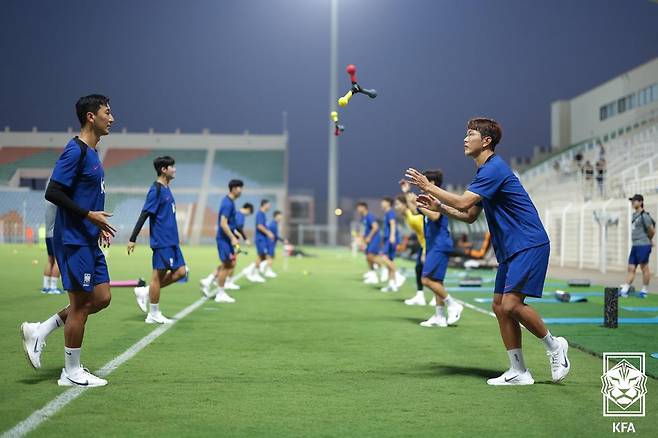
(454, 370)
(43, 375)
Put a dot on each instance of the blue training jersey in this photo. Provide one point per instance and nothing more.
(513, 220)
(227, 210)
(261, 219)
(437, 234)
(390, 215)
(273, 226)
(368, 220)
(239, 219)
(162, 216)
(86, 189)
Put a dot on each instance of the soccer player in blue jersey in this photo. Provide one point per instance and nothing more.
(273, 226)
(50, 270)
(391, 239)
(263, 236)
(77, 187)
(372, 240)
(208, 282)
(439, 245)
(519, 240)
(167, 261)
(227, 240)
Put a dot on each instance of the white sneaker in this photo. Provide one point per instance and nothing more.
(383, 276)
(255, 278)
(389, 288)
(224, 298)
(417, 300)
(512, 377)
(55, 291)
(82, 378)
(432, 302)
(371, 280)
(559, 362)
(206, 282)
(32, 345)
(157, 318)
(454, 313)
(231, 286)
(435, 321)
(270, 274)
(142, 295)
(399, 279)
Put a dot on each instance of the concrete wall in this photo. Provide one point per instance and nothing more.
(584, 109)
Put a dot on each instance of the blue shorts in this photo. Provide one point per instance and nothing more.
(169, 258)
(375, 246)
(639, 255)
(436, 265)
(524, 272)
(81, 267)
(226, 251)
(49, 246)
(262, 246)
(271, 248)
(389, 250)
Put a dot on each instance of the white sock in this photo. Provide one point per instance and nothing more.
(372, 272)
(53, 282)
(209, 278)
(391, 283)
(228, 280)
(449, 301)
(154, 308)
(644, 288)
(420, 294)
(625, 287)
(49, 326)
(440, 311)
(221, 291)
(71, 360)
(550, 342)
(516, 360)
(46, 282)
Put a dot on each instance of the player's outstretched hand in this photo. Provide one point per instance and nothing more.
(99, 218)
(105, 239)
(131, 247)
(404, 186)
(429, 202)
(418, 179)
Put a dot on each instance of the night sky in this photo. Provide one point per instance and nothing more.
(237, 65)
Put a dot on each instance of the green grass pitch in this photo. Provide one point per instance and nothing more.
(312, 353)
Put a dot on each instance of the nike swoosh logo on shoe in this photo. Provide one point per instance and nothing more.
(509, 380)
(566, 363)
(36, 343)
(79, 383)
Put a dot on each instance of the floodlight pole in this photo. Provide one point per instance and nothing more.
(332, 195)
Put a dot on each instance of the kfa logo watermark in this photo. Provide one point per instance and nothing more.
(86, 280)
(624, 385)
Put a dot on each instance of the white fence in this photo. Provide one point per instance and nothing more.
(595, 234)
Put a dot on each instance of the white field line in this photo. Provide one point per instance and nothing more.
(39, 416)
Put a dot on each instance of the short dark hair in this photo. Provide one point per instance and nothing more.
(248, 206)
(435, 176)
(235, 183)
(161, 162)
(362, 204)
(276, 213)
(387, 199)
(89, 104)
(264, 201)
(487, 128)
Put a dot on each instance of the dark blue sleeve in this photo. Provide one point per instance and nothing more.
(151, 204)
(260, 218)
(66, 166)
(225, 209)
(487, 181)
